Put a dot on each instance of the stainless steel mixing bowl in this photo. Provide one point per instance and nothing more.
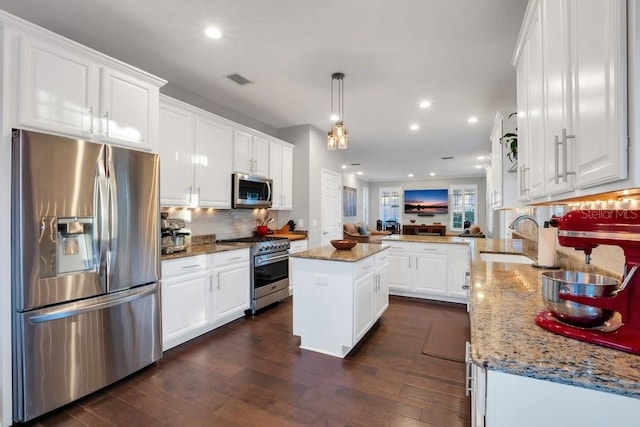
(577, 283)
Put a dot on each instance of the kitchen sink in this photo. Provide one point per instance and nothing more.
(508, 258)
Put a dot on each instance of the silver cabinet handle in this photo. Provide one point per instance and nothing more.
(190, 194)
(210, 277)
(106, 120)
(565, 137)
(218, 281)
(556, 143)
(91, 120)
(198, 201)
(187, 267)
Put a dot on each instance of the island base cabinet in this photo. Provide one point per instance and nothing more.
(337, 303)
(513, 400)
(323, 305)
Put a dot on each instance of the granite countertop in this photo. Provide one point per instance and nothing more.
(204, 249)
(329, 253)
(505, 299)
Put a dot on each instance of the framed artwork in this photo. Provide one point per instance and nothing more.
(349, 201)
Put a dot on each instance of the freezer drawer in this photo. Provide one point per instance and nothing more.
(69, 351)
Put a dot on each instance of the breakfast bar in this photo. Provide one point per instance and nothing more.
(338, 295)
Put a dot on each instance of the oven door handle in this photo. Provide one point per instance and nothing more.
(271, 260)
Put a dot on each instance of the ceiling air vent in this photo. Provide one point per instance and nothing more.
(355, 164)
(447, 158)
(238, 79)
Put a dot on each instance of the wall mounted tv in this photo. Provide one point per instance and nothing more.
(426, 202)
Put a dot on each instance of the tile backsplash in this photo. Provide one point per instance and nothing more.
(224, 223)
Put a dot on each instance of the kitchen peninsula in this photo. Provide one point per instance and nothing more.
(338, 295)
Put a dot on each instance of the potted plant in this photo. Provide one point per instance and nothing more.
(510, 140)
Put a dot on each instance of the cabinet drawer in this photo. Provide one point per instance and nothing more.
(430, 248)
(364, 267)
(231, 257)
(179, 266)
(381, 258)
(400, 246)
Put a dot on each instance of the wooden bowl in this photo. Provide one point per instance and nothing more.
(343, 245)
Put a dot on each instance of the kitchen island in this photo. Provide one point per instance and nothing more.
(339, 295)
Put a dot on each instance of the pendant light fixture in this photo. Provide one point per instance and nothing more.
(337, 137)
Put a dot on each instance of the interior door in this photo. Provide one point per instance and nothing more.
(331, 226)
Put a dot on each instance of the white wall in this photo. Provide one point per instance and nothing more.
(309, 157)
(374, 198)
(350, 180)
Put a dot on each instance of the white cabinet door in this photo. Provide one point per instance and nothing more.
(184, 307)
(213, 163)
(495, 198)
(128, 110)
(399, 269)
(600, 93)
(250, 154)
(287, 178)
(275, 173)
(381, 286)
(557, 94)
(242, 152)
(298, 246)
(363, 306)
(458, 267)
(231, 293)
(281, 172)
(430, 273)
(57, 89)
(533, 168)
(260, 156)
(177, 152)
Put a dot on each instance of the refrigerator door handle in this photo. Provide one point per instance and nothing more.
(64, 313)
(102, 219)
(113, 214)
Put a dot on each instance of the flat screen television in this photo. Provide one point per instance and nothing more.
(428, 202)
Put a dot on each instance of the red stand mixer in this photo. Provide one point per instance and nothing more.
(584, 230)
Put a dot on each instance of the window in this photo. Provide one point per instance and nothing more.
(390, 205)
(463, 206)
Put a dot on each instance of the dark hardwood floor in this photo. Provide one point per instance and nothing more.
(252, 373)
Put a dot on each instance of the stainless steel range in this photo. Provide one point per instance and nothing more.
(269, 269)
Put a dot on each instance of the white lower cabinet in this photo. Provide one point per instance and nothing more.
(296, 246)
(185, 286)
(336, 303)
(428, 270)
(514, 400)
(203, 292)
(230, 291)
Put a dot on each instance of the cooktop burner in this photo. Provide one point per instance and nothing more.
(262, 244)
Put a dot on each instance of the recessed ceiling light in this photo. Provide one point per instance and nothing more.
(213, 33)
(478, 166)
(472, 120)
(414, 127)
(480, 157)
(344, 166)
(425, 104)
(410, 175)
(360, 172)
(432, 174)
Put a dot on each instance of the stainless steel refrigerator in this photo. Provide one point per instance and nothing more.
(86, 268)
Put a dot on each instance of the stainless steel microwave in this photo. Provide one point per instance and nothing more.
(251, 191)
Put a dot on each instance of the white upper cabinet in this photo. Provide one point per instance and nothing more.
(281, 172)
(71, 90)
(177, 151)
(56, 89)
(196, 152)
(572, 58)
(128, 109)
(250, 153)
(214, 151)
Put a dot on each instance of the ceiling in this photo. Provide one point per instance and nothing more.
(454, 53)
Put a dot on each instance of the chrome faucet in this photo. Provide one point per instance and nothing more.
(516, 221)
